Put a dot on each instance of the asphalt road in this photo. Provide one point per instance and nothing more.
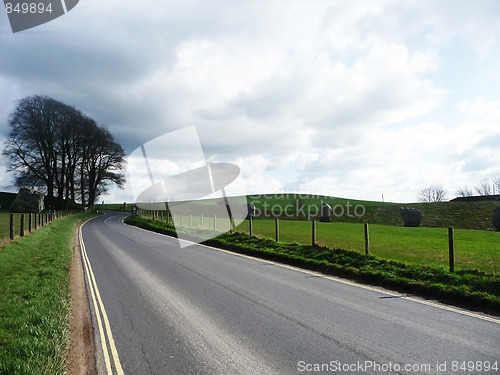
(199, 310)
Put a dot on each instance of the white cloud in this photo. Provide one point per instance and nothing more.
(357, 97)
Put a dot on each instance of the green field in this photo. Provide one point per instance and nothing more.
(474, 249)
(463, 215)
(422, 246)
(477, 245)
(5, 224)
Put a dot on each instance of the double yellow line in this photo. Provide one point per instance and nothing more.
(100, 312)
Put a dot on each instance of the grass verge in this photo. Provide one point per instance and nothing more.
(35, 300)
(468, 288)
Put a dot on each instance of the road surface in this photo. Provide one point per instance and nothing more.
(160, 309)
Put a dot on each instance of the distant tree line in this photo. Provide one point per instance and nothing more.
(485, 187)
(56, 148)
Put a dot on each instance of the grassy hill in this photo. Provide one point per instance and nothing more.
(464, 215)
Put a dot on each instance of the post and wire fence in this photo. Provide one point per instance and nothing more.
(13, 225)
(444, 247)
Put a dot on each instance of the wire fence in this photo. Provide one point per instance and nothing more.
(455, 249)
(13, 225)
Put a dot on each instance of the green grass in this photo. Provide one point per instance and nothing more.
(472, 288)
(5, 224)
(474, 249)
(35, 300)
(464, 215)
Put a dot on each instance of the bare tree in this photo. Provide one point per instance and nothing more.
(496, 183)
(53, 146)
(465, 191)
(102, 164)
(433, 193)
(484, 188)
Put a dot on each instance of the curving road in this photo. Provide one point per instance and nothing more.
(160, 309)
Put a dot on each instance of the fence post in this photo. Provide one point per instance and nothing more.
(313, 232)
(11, 226)
(29, 222)
(201, 221)
(451, 249)
(277, 230)
(190, 220)
(250, 225)
(35, 219)
(21, 230)
(367, 240)
(215, 222)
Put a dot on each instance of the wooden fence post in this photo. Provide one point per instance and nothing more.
(11, 226)
(215, 222)
(29, 222)
(250, 225)
(451, 249)
(21, 230)
(201, 221)
(367, 240)
(313, 232)
(277, 230)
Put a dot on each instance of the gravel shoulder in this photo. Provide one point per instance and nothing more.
(81, 354)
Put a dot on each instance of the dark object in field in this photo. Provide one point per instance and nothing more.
(27, 201)
(495, 219)
(326, 213)
(411, 216)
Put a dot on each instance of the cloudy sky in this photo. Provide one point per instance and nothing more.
(344, 98)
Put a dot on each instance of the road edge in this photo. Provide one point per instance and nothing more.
(81, 355)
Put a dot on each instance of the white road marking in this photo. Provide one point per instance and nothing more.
(348, 282)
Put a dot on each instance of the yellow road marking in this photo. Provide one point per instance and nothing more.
(99, 309)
